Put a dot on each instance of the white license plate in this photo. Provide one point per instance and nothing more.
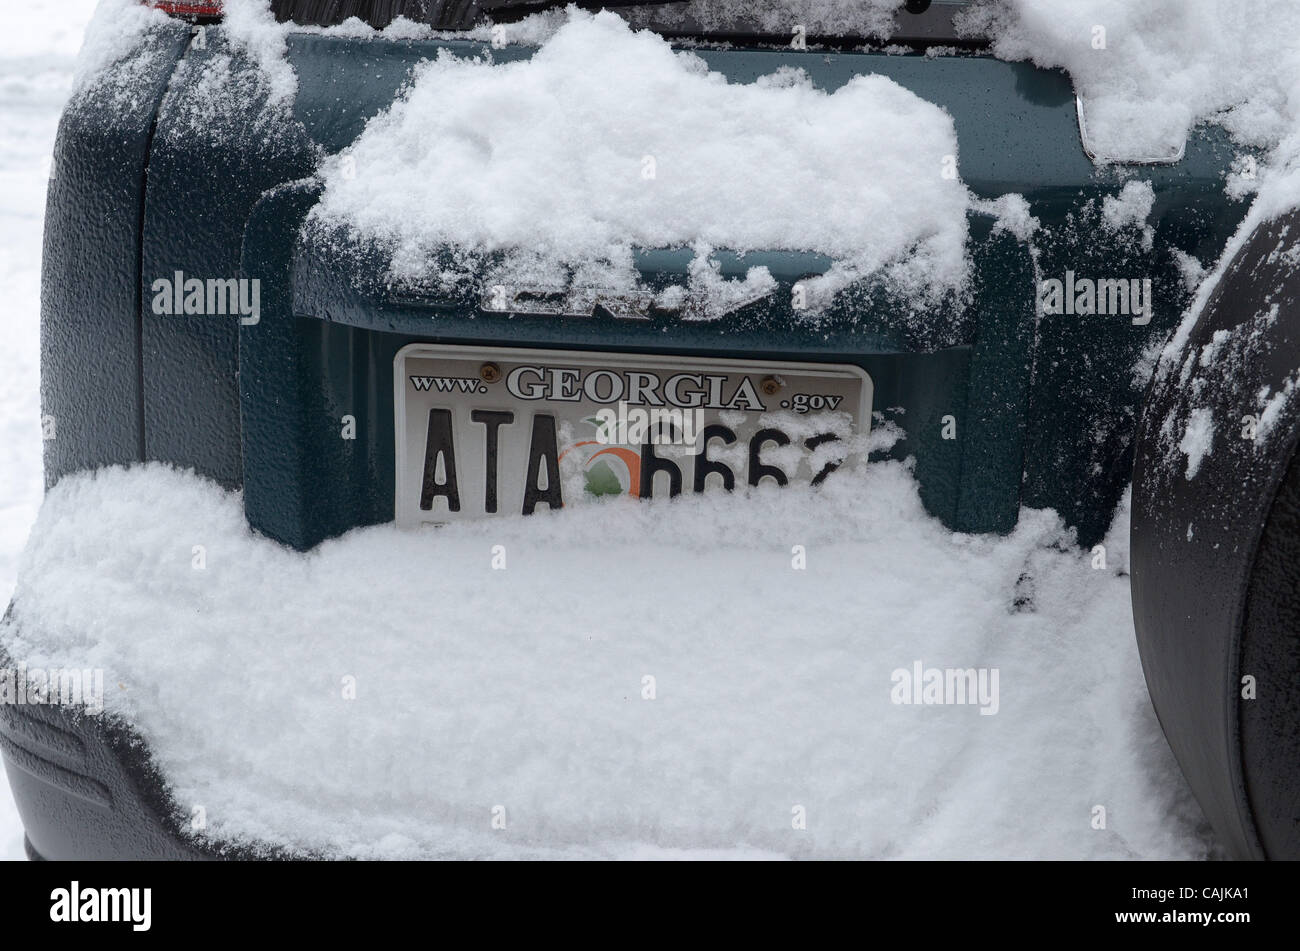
(485, 431)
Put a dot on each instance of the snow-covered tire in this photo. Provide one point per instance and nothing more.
(1216, 548)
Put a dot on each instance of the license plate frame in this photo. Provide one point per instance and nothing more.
(469, 458)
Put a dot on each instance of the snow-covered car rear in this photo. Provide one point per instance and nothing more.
(438, 262)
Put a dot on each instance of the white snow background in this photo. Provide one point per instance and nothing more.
(39, 40)
(523, 688)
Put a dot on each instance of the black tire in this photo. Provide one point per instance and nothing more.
(1216, 550)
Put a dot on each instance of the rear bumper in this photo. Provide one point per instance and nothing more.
(85, 787)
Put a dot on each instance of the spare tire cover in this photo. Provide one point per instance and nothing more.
(1216, 547)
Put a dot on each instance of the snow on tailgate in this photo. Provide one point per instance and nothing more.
(608, 140)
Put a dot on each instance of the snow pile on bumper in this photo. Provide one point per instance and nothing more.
(615, 680)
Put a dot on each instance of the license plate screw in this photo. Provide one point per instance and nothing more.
(489, 373)
(770, 385)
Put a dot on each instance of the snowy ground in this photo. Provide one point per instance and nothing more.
(38, 43)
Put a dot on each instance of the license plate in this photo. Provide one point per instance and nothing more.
(493, 431)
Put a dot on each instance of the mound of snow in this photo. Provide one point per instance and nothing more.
(113, 33)
(1150, 71)
(636, 679)
(607, 140)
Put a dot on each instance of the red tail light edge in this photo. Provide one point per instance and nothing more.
(187, 8)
